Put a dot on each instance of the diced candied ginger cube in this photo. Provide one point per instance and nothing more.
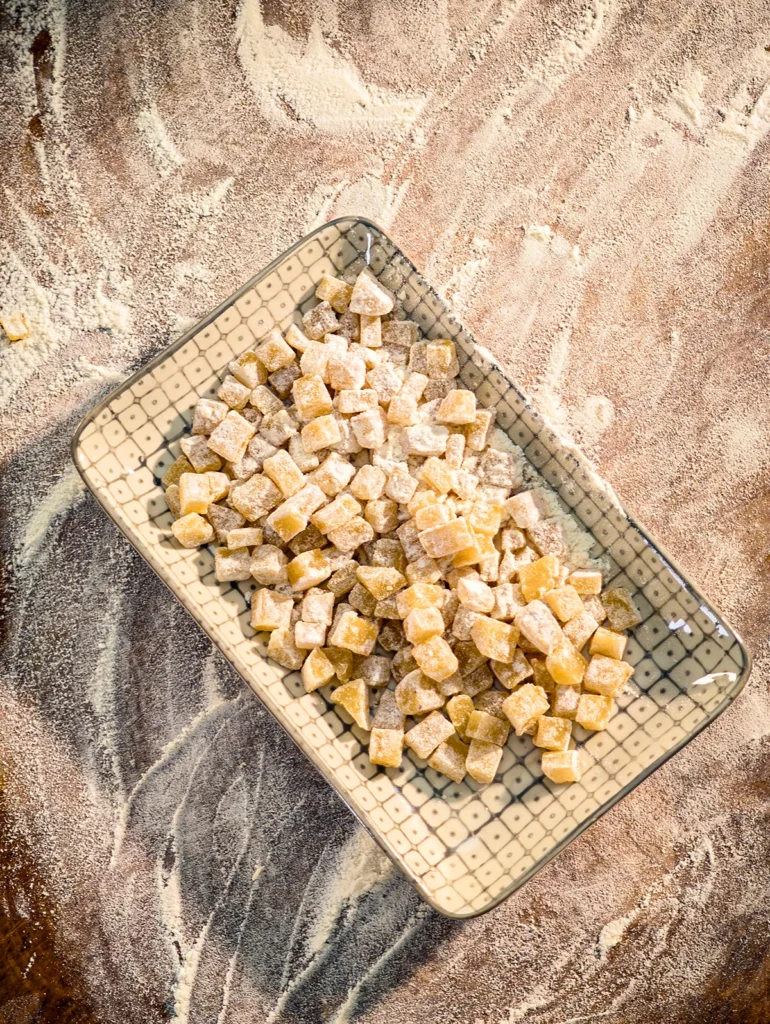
(580, 628)
(403, 409)
(457, 408)
(485, 518)
(593, 605)
(463, 623)
(424, 570)
(172, 500)
(192, 530)
(219, 486)
(593, 711)
(539, 577)
(606, 642)
(333, 474)
(423, 623)
(314, 361)
(387, 553)
(424, 737)
(354, 634)
(278, 427)
(542, 677)
(607, 676)
(523, 510)
(177, 468)
(352, 535)
(416, 694)
(368, 483)
(230, 438)
(309, 635)
(483, 726)
(346, 372)
(194, 493)
(561, 766)
(317, 670)
(337, 293)
(476, 595)
(349, 402)
(273, 352)
(564, 601)
(284, 650)
(564, 702)
(380, 581)
(548, 539)
(318, 321)
(233, 392)
(370, 428)
(208, 415)
(343, 579)
(388, 714)
(586, 581)
(425, 439)
(449, 758)
(336, 514)
(448, 539)
(477, 433)
(430, 515)
(399, 332)
(230, 565)
(436, 474)
(370, 328)
(495, 639)
(538, 625)
(248, 370)
(525, 706)
(308, 570)
(478, 681)
(473, 554)
(320, 433)
(459, 709)
(342, 661)
(622, 613)
(492, 702)
(386, 747)
(441, 360)
(566, 665)
(483, 760)
(262, 398)
(202, 458)
(512, 674)
(270, 610)
(287, 521)
(382, 515)
(553, 733)
(318, 606)
(311, 397)
(268, 565)
(436, 658)
(508, 600)
(401, 484)
(419, 595)
(373, 669)
(353, 696)
(369, 296)
(296, 338)
(455, 447)
(284, 472)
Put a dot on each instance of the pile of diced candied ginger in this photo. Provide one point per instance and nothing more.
(346, 469)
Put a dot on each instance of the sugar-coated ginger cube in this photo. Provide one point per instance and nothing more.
(492, 702)
(305, 540)
(349, 402)
(387, 553)
(580, 628)
(403, 409)
(373, 669)
(538, 625)
(402, 333)
(370, 330)
(387, 714)
(447, 539)
(278, 427)
(553, 733)
(477, 433)
(565, 664)
(455, 448)
(308, 570)
(336, 513)
(346, 371)
(282, 380)
(208, 415)
(423, 623)
(342, 661)
(594, 606)
(510, 675)
(622, 613)
(457, 408)
(426, 439)
(333, 474)
(607, 676)
(368, 483)
(607, 642)
(485, 518)
(352, 535)
(463, 623)
(525, 706)
(483, 726)
(176, 469)
(194, 493)
(385, 380)
(419, 595)
(233, 392)
(343, 579)
(539, 577)
(15, 326)
(436, 474)
(441, 360)
(219, 486)
(270, 610)
(318, 606)
(319, 321)
(523, 510)
(314, 361)
(382, 515)
(311, 397)
(449, 758)
(477, 596)
(192, 530)
(483, 760)
(542, 677)
(225, 519)
(363, 602)
(402, 664)
(230, 438)
(296, 338)
(434, 514)
(401, 485)
(321, 432)
(273, 352)
(248, 370)
(380, 581)
(593, 711)
(435, 658)
(508, 600)
(369, 296)
(262, 398)
(460, 708)
(202, 458)
(424, 570)
(495, 639)
(337, 293)
(564, 701)
(564, 602)
(370, 428)
(416, 694)
(232, 564)
(547, 538)
(282, 648)
(287, 521)
(562, 766)
(586, 581)
(172, 500)
(386, 747)
(309, 635)
(284, 472)
(268, 565)
(354, 634)
(317, 670)
(424, 737)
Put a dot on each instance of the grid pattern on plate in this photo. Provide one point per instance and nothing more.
(464, 846)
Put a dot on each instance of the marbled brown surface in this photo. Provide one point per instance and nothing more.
(154, 156)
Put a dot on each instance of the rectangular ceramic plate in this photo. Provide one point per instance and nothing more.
(465, 847)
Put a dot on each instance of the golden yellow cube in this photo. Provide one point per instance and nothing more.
(270, 610)
(321, 432)
(562, 766)
(421, 498)
(175, 470)
(370, 329)
(475, 595)
(352, 535)
(368, 483)
(274, 353)
(586, 581)
(423, 623)
(432, 514)
(317, 670)
(564, 602)
(483, 726)
(353, 696)
(284, 472)
(386, 747)
(282, 648)
(369, 296)
(337, 293)
(436, 474)
(424, 737)
(593, 711)
(192, 530)
(607, 676)
(311, 397)
(477, 433)
(485, 518)
(566, 665)
(580, 629)
(495, 639)
(336, 513)
(287, 521)
(354, 634)
(436, 658)
(380, 581)
(540, 576)
(525, 706)
(459, 709)
(608, 643)
(553, 733)
(457, 408)
(483, 760)
(564, 702)
(382, 515)
(419, 595)
(449, 759)
(308, 570)
(441, 359)
(194, 493)
(447, 539)
(341, 660)
(416, 694)
(219, 486)
(510, 675)
(424, 570)
(538, 625)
